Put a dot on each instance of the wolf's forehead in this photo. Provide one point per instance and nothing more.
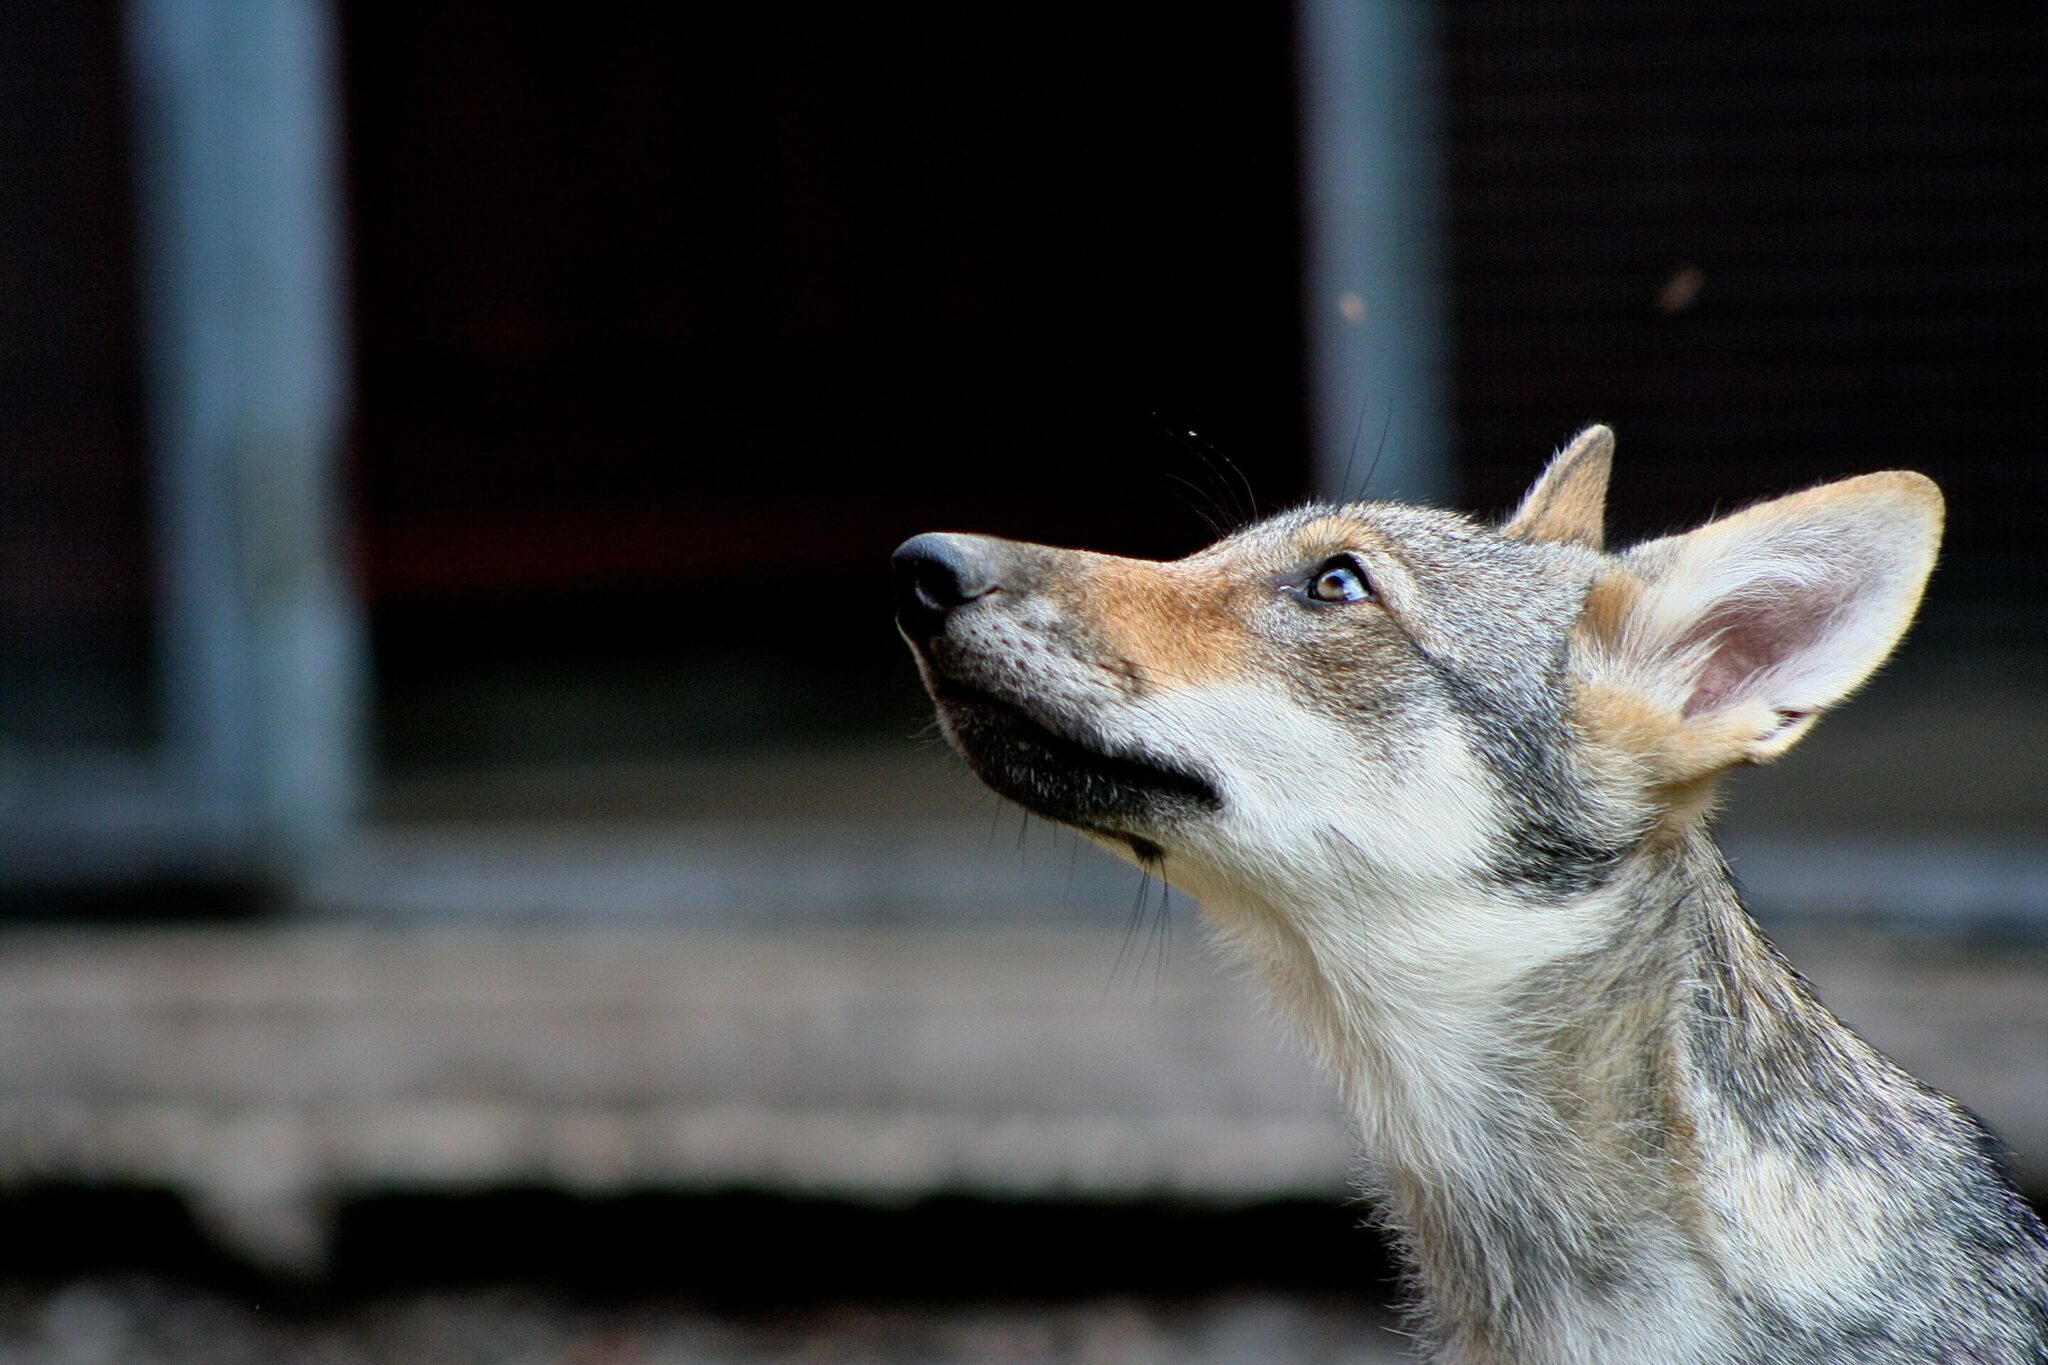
(1467, 594)
(1424, 533)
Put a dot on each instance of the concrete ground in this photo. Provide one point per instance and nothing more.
(271, 1074)
(154, 1322)
(849, 974)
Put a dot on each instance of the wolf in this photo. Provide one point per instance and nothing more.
(1448, 787)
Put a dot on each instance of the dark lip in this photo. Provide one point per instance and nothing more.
(1125, 768)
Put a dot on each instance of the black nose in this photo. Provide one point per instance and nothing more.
(935, 573)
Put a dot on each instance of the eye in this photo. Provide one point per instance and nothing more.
(1341, 579)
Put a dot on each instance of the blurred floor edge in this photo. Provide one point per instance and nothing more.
(268, 1073)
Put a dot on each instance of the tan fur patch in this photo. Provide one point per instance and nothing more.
(1643, 744)
(1631, 736)
(1568, 504)
(1332, 532)
(1609, 604)
(1916, 498)
(1166, 625)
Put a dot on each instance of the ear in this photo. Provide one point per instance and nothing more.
(1568, 504)
(1741, 633)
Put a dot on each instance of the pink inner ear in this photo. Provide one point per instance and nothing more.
(1752, 639)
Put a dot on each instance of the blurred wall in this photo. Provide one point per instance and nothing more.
(671, 321)
(74, 546)
(675, 320)
(1771, 245)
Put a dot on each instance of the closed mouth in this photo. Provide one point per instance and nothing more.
(1074, 779)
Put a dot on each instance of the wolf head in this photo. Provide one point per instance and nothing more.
(1508, 710)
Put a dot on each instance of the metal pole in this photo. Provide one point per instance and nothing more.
(246, 367)
(1373, 304)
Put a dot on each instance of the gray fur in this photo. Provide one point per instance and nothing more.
(1633, 1133)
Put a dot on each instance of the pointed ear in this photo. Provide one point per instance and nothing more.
(1742, 632)
(1569, 503)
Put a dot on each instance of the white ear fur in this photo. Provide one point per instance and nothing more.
(1568, 503)
(1751, 626)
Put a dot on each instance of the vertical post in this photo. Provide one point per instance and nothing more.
(1373, 307)
(245, 367)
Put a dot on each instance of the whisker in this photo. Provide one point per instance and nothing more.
(1217, 463)
(1386, 425)
(1130, 932)
(1214, 516)
(1165, 932)
(1351, 455)
(995, 821)
(1251, 498)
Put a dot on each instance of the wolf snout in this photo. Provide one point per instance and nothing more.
(936, 573)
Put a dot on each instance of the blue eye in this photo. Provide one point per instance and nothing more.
(1340, 580)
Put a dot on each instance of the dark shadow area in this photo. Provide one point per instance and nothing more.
(772, 660)
(152, 902)
(671, 324)
(735, 1254)
(64, 1231)
(746, 1252)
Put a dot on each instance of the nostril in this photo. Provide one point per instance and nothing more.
(936, 583)
(937, 592)
(935, 573)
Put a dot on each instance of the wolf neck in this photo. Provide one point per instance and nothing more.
(1531, 1123)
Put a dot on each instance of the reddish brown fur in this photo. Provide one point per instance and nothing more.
(1162, 626)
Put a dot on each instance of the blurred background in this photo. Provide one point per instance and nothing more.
(477, 880)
